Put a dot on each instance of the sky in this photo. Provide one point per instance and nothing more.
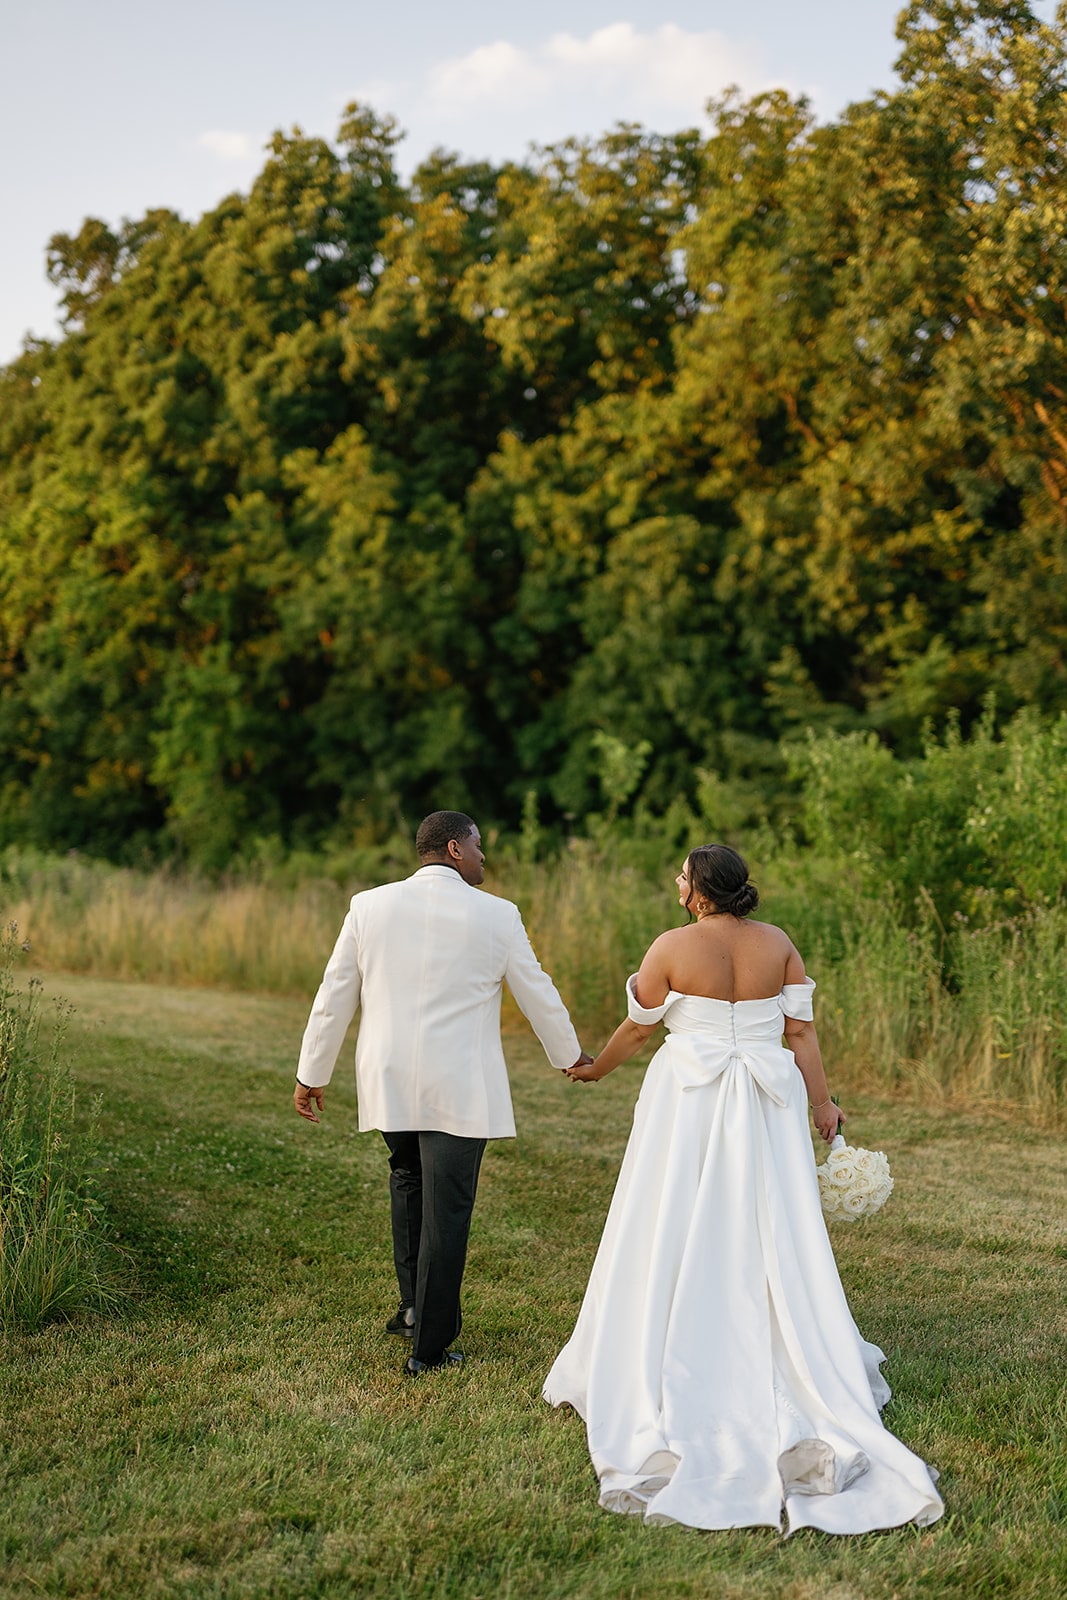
(116, 107)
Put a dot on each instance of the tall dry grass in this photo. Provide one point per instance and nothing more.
(992, 1032)
(81, 916)
(977, 1014)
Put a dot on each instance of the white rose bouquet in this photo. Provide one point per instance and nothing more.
(853, 1183)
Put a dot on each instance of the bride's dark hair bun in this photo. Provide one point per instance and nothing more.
(745, 900)
(718, 874)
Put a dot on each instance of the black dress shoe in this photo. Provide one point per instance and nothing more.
(451, 1358)
(403, 1323)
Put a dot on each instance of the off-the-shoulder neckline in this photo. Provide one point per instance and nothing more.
(807, 984)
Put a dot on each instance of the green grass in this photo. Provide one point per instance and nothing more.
(245, 1430)
(54, 1257)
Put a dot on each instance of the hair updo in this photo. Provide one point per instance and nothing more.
(718, 874)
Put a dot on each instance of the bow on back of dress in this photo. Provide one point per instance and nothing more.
(707, 1038)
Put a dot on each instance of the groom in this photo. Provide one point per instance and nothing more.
(426, 959)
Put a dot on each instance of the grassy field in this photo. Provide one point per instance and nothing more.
(245, 1429)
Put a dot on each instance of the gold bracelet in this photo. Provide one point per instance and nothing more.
(822, 1103)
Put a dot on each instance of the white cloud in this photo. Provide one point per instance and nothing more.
(663, 77)
(229, 145)
(497, 73)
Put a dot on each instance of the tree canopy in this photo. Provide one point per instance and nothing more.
(356, 497)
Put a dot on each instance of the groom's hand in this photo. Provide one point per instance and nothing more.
(303, 1098)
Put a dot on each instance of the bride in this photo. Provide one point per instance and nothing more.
(715, 1361)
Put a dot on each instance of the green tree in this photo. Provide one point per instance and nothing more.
(354, 496)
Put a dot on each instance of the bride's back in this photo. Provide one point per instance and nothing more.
(726, 958)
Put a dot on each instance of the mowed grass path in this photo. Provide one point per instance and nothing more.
(246, 1431)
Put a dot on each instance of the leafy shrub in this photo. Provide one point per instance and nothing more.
(972, 831)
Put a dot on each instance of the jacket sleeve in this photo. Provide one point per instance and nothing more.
(538, 1000)
(333, 1008)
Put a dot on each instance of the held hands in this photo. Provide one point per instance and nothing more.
(302, 1101)
(583, 1070)
(826, 1117)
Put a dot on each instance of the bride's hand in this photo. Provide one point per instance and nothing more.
(826, 1117)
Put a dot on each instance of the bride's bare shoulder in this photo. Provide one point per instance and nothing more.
(777, 942)
(774, 941)
(659, 951)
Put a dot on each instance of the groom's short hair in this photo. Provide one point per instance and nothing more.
(438, 828)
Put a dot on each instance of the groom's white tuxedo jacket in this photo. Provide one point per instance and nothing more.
(426, 959)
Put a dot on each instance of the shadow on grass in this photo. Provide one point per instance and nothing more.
(168, 1259)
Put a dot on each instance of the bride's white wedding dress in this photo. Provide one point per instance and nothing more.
(715, 1361)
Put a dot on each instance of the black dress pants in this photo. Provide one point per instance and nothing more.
(433, 1178)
